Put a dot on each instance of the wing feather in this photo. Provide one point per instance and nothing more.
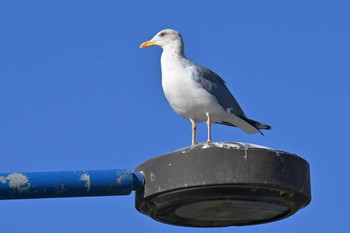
(216, 86)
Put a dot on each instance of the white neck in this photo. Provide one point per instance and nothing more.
(175, 47)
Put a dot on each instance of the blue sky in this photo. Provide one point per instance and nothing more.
(76, 92)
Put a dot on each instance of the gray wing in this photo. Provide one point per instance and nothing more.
(216, 86)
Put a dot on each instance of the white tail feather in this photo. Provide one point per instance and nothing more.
(239, 122)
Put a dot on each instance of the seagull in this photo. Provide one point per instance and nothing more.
(196, 93)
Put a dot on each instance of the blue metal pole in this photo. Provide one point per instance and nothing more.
(23, 185)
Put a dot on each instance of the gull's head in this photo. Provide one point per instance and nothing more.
(165, 38)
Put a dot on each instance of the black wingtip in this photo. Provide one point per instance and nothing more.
(267, 127)
(259, 125)
(262, 134)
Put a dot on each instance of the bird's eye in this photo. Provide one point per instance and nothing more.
(162, 34)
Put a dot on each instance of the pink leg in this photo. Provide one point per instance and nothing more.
(194, 128)
(209, 128)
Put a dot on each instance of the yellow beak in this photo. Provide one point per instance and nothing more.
(147, 44)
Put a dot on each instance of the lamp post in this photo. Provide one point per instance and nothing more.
(207, 185)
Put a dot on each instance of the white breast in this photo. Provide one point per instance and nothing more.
(185, 95)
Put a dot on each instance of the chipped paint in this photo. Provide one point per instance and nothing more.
(16, 181)
(61, 189)
(152, 176)
(86, 177)
(3, 179)
(121, 179)
(245, 153)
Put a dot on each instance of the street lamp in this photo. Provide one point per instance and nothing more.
(207, 185)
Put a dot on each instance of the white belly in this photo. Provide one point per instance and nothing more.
(188, 98)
